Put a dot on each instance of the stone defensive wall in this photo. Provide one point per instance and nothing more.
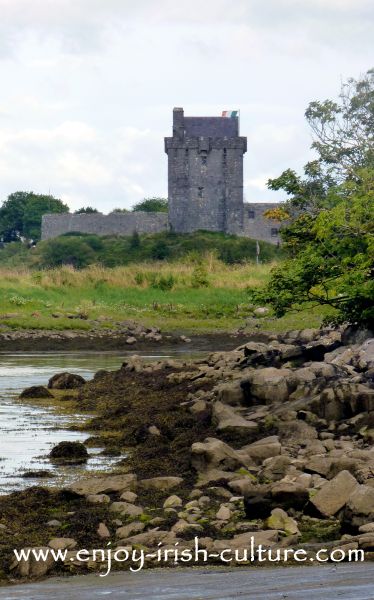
(54, 225)
(258, 227)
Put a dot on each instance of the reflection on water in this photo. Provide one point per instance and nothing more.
(28, 431)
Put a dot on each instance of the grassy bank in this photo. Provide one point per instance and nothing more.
(174, 296)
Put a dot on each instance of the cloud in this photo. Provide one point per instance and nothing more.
(88, 86)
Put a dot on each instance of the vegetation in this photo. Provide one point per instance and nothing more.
(329, 239)
(86, 210)
(209, 296)
(81, 250)
(21, 215)
(152, 205)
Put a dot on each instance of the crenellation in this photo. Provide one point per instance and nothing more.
(205, 189)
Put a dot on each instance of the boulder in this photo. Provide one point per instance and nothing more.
(152, 538)
(126, 509)
(66, 381)
(265, 448)
(230, 393)
(318, 464)
(103, 531)
(266, 538)
(104, 485)
(364, 356)
(223, 513)
(271, 385)
(288, 494)
(343, 401)
(279, 519)
(128, 496)
(185, 529)
(130, 529)
(215, 454)
(229, 420)
(297, 432)
(66, 453)
(367, 528)
(160, 483)
(172, 502)
(36, 392)
(334, 494)
(62, 543)
(33, 568)
(275, 468)
(360, 506)
(98, 499)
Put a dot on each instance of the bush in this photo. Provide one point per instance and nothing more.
(199, 277)
(67, 251)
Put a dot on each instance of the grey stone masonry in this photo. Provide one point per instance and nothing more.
(205, 182)
(257, 226)
(112, 224)
(205, 174)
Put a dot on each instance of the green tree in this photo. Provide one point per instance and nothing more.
(37, 206)
(152, 205)
(334, 265)
(21, 214)
(63, 250)
(329, 237)
(135, 240)
(343, 134)
(86, 210)
(11, 216)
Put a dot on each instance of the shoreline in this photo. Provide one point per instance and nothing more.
(45, 340)
(270, 441)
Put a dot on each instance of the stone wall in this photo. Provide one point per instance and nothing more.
(256, 226)
(205, 174)
(113, 224)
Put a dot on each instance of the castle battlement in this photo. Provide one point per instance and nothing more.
(205, 189)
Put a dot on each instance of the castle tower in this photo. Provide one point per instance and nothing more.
(205, 174)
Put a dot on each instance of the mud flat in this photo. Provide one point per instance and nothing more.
(347, 581)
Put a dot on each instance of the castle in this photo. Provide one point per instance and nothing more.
(205, 188)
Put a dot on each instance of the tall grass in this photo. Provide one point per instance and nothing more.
(180, 296)
(137, 275)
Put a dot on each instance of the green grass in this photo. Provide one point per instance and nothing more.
(103, 297)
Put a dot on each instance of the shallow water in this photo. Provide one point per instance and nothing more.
(28, 431)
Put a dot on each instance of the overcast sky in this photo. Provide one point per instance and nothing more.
(88, 86)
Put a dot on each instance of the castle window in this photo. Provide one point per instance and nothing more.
(274, 232)
(200, 192)
(251, 214)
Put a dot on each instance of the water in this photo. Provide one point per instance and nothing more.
(29, 430)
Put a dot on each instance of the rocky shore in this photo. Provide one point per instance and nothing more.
(128, 335)
(271, 441)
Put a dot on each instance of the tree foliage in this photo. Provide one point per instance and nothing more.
(86, 210)
(21, 214)
(72, 251)
(334, 263)
(329, 239)
(152, 205)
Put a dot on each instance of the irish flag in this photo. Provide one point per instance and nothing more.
(230, 113)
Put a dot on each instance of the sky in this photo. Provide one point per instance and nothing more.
(88, 87)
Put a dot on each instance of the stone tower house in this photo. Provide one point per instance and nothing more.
(205, 174)
(205, 181)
